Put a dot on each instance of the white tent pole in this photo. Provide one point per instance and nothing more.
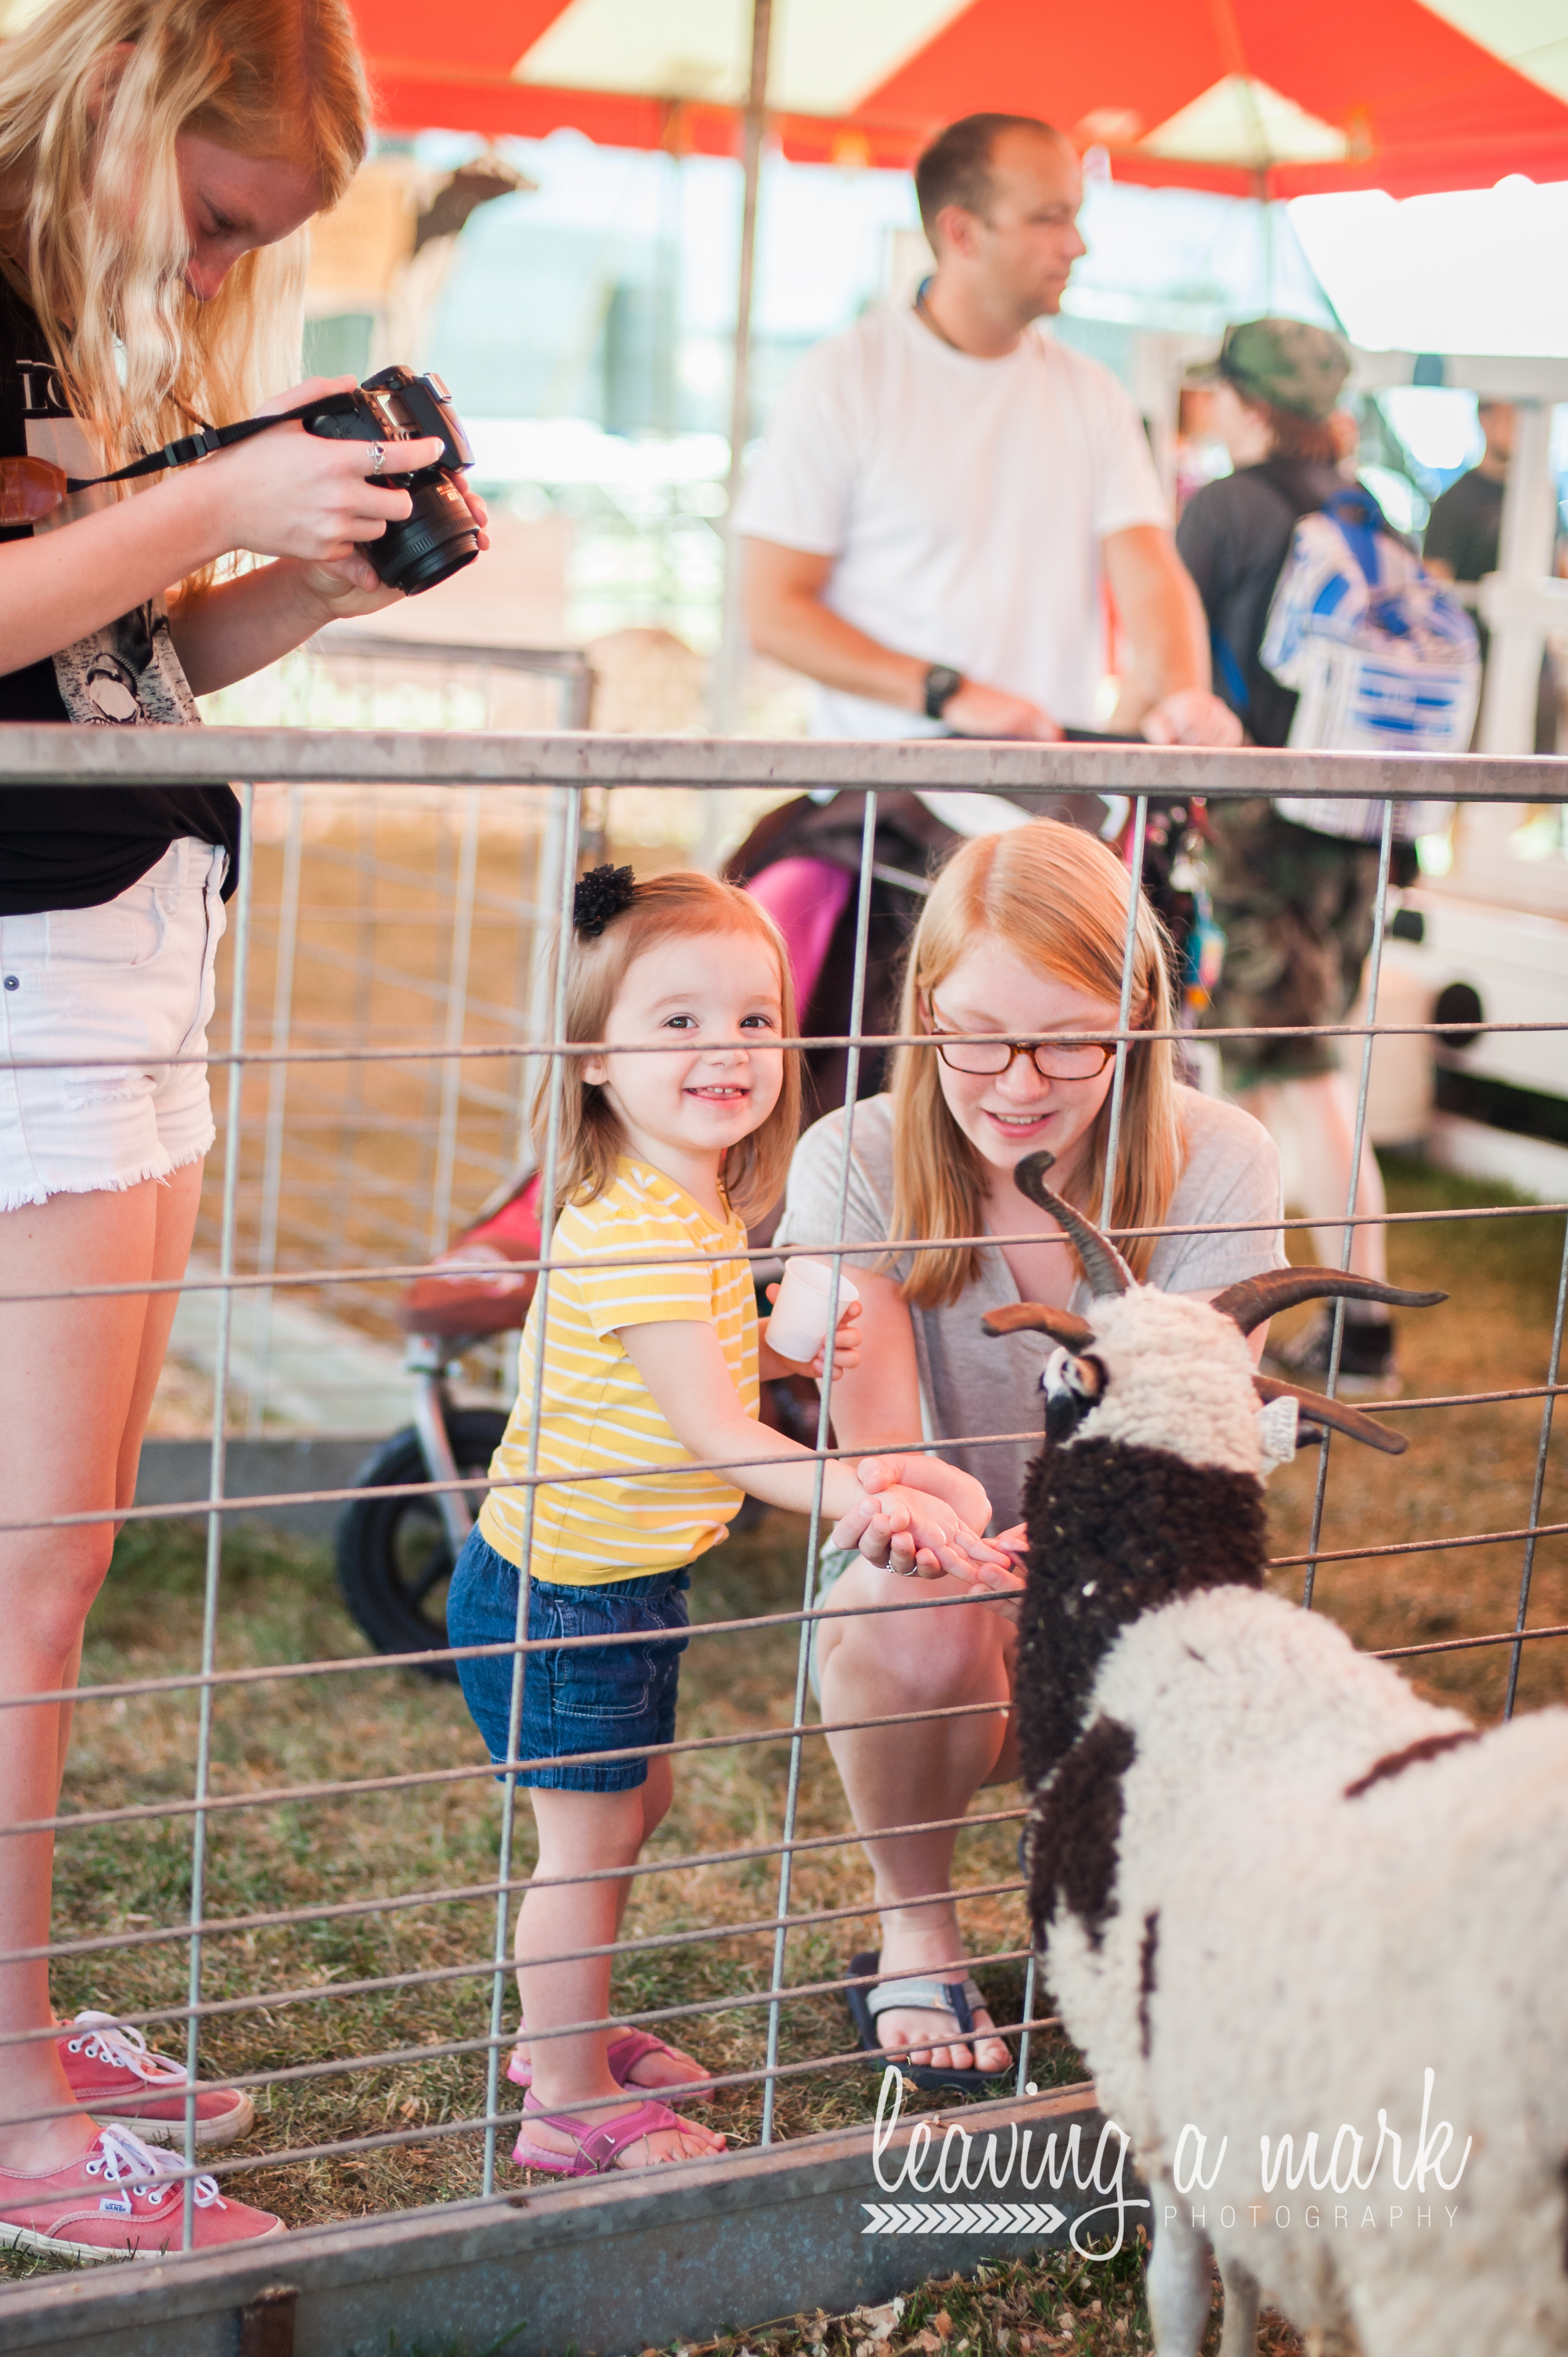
(1510, 600)
(726, 669)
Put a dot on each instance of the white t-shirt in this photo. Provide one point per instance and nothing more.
(964, 501)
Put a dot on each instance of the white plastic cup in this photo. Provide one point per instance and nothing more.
(799, 1325)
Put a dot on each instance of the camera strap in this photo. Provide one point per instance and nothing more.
(32, 488)
(185, 451)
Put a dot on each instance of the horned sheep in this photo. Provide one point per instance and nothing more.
(1272, 1888)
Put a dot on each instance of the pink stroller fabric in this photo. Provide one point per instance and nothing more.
(805, 898)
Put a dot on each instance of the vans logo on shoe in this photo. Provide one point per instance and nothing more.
(115, 2205)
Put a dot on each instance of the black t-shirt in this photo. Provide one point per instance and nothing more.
(1463, 533)
(1234, 537)
(68, 846)
(1462, 529)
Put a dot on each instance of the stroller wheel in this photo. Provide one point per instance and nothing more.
(395, 1558)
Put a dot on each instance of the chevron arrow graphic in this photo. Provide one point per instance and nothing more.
(961, 2218)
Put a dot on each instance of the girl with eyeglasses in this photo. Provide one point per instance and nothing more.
(1014, 975)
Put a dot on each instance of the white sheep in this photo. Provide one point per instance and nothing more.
(1276, 1890)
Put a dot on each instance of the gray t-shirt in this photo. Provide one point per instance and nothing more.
(971, 1383)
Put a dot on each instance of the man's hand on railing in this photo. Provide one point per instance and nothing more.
(979, 711)
(1191, 716)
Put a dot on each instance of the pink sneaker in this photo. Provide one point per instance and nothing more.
(120, 2201)
(115, 2075)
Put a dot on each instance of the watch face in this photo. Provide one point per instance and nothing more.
(942, 683)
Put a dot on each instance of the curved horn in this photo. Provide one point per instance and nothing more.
(1257, 1297)
(1103, 1265)
(1348, 1420)
(1034, 1318)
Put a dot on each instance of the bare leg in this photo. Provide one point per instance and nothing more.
(1180, 2288)
(917, 1775)
(676, 2068)
(1314, 1121)
(76, 1378)
(179, 1197)
(579, 1832)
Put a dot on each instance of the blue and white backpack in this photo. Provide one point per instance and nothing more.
(1384, 657)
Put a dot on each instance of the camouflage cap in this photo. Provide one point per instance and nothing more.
(1288, 362)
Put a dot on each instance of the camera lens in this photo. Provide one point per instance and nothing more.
(437, 541)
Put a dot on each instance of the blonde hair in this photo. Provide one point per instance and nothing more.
(1055, 900)
(100, 245)
(681, 901)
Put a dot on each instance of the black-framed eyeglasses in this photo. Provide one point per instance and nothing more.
(1053, 1060)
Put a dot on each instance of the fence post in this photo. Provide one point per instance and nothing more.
(232, 1141)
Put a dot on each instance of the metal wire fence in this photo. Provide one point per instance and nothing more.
(418, 919)
(295, 1091)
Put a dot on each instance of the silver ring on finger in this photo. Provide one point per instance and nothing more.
(378, 457)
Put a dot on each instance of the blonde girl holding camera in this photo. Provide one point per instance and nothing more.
(159, 161)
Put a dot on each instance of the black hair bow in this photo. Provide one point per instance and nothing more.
(600, 895)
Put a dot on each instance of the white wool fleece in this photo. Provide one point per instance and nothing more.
(1238, 1702)
(1180, 1379)
(1282, 1960)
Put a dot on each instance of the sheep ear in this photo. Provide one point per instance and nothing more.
(1348, 1420)
(1034, 1318)
(1257, 1297)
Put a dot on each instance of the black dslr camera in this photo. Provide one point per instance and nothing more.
(394, 405)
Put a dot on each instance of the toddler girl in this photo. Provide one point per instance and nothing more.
(660, 1156)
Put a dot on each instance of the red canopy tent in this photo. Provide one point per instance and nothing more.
(1268, 99)
(1243, 96)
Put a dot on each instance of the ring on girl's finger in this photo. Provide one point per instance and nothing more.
(378, 457)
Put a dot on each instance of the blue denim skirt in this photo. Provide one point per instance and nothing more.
(584, 1700)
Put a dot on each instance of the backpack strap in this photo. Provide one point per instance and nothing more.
(1286, 478)
(1359, 518)
(1229, 672)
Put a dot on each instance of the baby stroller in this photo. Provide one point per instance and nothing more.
(396, 1554)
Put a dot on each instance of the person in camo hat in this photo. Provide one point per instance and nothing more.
(1295, 905)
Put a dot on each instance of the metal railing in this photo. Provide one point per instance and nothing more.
(483, 1051)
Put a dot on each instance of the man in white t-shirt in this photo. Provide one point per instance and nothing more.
(946, 489)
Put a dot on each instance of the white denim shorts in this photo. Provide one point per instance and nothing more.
(131, 982)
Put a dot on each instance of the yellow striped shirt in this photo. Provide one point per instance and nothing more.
(597, 1414)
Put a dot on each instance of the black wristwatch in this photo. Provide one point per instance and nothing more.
(942, 683)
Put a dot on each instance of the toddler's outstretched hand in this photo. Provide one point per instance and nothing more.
(919, 1471)
(909, 1530)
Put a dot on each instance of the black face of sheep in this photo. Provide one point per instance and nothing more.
(1159, 1435)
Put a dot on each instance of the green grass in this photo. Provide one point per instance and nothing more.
(280, 1605)
(1466, 1469)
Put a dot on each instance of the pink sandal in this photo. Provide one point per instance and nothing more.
(624, 2053)
(599, 2147)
